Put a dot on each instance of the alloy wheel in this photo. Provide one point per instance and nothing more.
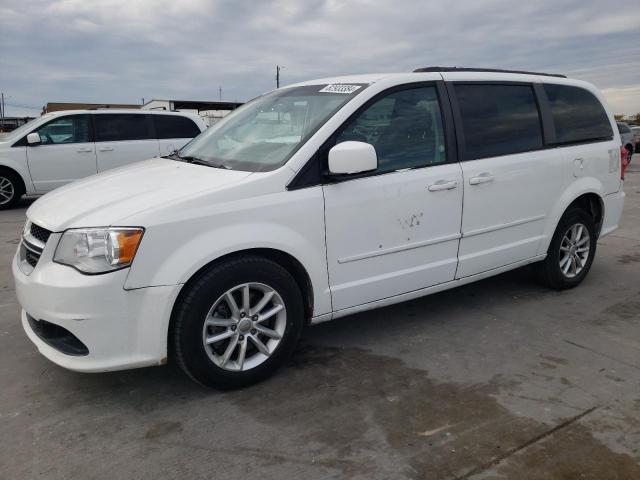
(7, 190)
(244, 326)
(575, 248)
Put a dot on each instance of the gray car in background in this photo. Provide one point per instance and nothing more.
(635, 130)
(626, 137)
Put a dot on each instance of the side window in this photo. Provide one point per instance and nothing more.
(114, 127)
(622, 128)
(577, 114)
(69, 129)
(174, 126)
(405, 127)
(498, 119)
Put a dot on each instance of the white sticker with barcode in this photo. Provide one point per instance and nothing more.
(340, 88)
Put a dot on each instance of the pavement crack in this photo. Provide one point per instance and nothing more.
(589, 349)
(495, 461)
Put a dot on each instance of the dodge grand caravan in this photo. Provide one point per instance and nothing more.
(313, 202)
(60, 147)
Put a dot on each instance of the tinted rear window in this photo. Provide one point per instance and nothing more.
(577, 114)
(114, 127)
(498, 119)
(174, 126)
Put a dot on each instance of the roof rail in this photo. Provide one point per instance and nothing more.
(493, 70)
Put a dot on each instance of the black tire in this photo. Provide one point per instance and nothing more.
(629, 152)
(548, 271)
(15, 187)
(190, 313)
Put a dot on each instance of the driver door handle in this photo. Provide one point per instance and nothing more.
(85, 150)
(443, 185)
(482, 178)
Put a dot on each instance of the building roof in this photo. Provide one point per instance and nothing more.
(57, 106)
(197, 104)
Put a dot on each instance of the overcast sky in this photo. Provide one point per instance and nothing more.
(122, 50)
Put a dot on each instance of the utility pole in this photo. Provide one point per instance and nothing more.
(1, 111)
(278, 68)
(142, 100)
(220, 91)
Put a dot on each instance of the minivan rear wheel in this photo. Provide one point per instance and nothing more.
(237, 323)
(10, 189)
(571, 251)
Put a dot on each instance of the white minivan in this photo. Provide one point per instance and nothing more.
(60, 147)
(313, 202)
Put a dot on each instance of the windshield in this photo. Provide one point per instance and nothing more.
(264, 133)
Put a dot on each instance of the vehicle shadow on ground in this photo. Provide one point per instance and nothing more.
(25, 202)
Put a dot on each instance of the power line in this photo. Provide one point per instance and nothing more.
(20, 105)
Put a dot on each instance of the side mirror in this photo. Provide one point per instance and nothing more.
(352, 157)
(33, 138)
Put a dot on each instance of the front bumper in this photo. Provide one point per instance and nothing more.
(121, 328)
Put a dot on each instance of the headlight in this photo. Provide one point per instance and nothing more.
(98, 250)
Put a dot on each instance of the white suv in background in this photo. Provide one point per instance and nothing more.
(313, 202)
(60, 147)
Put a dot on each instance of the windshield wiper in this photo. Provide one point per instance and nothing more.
(195, 160)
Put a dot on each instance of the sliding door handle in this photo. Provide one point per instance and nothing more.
(482, 178)
(106, 149)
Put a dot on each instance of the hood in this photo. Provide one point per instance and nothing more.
(103, 199)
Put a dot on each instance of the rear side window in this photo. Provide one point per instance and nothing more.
(174, 126)
(622, 128)
(114, 127)
(577, 114)
(498, 119)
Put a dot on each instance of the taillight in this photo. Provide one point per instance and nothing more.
(624, 154)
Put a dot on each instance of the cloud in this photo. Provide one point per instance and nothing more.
(123, 50)
(623, 100)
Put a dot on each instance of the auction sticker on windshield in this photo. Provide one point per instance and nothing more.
(340, 88)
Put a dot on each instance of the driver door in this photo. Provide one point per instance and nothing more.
(66, 152)
(396, 229)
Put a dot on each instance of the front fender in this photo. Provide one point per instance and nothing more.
(580, 186)
(172, 253)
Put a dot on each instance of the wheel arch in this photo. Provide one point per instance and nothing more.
(585, 193)
(593, 204)
(282, 258)
(22, 185)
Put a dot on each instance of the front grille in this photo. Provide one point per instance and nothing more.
(40, 233)
(31, 257)
(33, 243)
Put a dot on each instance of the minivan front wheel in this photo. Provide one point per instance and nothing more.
(571, 251)
(238, 323)
(9, 189)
